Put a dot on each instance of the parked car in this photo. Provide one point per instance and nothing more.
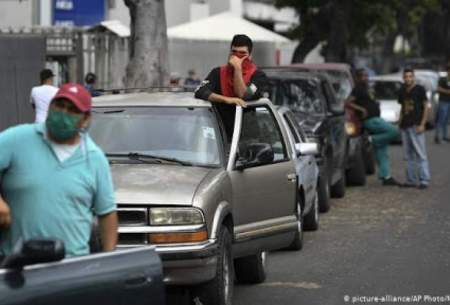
(361, 158)
(37, 273)
(386, 88)
(202, 200)
(306, 168)
(312, 99)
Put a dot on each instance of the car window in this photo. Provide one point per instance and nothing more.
(259, 127)
(335, 104)
(341, 83)
(189, 134)
(292, 129)
(300, 95)
(386, 90)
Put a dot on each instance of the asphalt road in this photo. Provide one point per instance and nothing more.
(377, 241)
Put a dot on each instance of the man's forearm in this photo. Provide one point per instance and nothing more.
(108, 231)
(5, 214)
(217, 98)
(354, 106)
(443, 90)
(425, 113)
(238, 83)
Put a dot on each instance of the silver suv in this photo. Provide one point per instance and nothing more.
(210, 205)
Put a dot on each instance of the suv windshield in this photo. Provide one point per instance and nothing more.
(299, 95)
(186, 134)
(341, 83)
(386, 90)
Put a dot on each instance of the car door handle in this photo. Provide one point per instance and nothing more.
(292, 177)
(137, 281)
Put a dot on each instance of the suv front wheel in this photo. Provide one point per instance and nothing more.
(219, 291)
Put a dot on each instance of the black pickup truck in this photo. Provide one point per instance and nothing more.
(37, 273)
(312, 99)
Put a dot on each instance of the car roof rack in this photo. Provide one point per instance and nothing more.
(146, 89)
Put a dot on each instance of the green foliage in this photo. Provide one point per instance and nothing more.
(366, 17)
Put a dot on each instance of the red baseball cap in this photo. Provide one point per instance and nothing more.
(77, 94)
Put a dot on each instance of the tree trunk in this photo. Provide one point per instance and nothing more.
(314, 26)
(336, 50)
(148, 65)
(387, 64)
(304, 48)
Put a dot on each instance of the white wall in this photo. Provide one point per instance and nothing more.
(16, 14)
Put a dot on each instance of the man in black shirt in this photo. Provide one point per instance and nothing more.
(232, 84)
(413, 117)
(443, 108)
(382, 133)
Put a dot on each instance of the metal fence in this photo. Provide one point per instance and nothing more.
(21, 59)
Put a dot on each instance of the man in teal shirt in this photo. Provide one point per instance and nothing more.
(54, 179)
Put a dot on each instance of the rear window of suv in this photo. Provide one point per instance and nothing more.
(299, 95)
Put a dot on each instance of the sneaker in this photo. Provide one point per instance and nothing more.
(437, 141)
(422, 186)
(408, 185)
(390, 182)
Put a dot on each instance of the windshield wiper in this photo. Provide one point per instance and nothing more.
(147, 158)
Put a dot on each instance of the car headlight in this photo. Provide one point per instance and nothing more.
(350, 128)
(175, 216)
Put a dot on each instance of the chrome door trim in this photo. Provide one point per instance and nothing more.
(265, 228)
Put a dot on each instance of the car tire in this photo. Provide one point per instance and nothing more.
(251, 269)
(338, 189)
(297, 243)
(369, 161)
(220, 289)
(311, 220)
(324, 194)
(356, 175)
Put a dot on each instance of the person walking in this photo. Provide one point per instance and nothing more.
(381, 132)
(42, 95)
(443, 112)
(90, 81)
(413, 117)
(54, 179)
(232, 84)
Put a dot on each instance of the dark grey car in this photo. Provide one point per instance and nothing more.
(37, 274)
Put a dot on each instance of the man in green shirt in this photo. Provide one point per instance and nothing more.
(54, 179)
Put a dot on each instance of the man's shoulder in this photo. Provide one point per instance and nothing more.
(20, 132)
(22, 128)
(43, 88)
(215, 70)
(420, 89)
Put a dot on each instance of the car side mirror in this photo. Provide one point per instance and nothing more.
(255, 154)
(34, 251)
(307, 149)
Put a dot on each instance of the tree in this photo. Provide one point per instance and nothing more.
(346, 24)
(148, 65)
